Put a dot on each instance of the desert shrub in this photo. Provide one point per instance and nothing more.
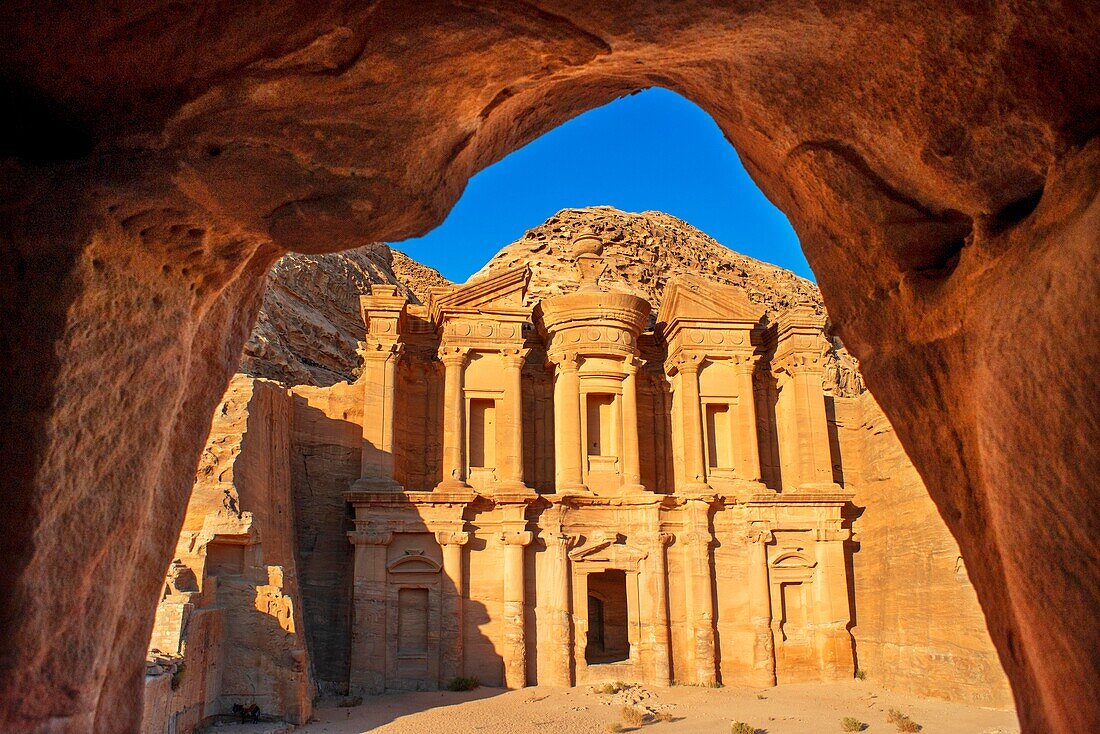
(613, 727)
(463, 683)
(348, 702)
(663, 716)
(740, 727)
(861, 674)
(902, 722)
(609, 688)
(851, 723)
(633, 716)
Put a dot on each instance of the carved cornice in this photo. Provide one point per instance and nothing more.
(831, 535)
(482, 331)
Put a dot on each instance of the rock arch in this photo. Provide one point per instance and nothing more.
(939, 162)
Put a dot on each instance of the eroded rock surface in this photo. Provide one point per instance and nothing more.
(939, 162)
(309, 322)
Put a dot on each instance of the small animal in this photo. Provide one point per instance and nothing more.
(247, 713)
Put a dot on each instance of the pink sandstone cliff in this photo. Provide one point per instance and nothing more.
(918, 627)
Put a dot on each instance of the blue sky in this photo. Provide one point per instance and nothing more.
(651, 150)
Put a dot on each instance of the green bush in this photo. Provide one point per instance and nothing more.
(463, 683)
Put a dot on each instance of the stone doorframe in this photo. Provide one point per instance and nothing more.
(603, 551)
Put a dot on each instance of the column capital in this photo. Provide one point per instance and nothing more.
(758, 533)
(514, 356)
(827, 535)
(378, 349)
(565, 361)
(745, 362)
(559, 540)
(631, 364)
(450, 354)
(452, 537)
(696, 537)
(369, 536)
(516, 537)
(796, 362)
(653, 538)
(687, 362)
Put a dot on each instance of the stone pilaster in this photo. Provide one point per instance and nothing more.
(748, 446)
(655, 624)
(514, 618)
(697, 541)
(555, 650)
(454, 419)
(833, 639)
(691, 430)
(568, 450)
(632, 466)
(453, 631)
(798, 365)
(368, 630)
(760, 607)
(510, 441)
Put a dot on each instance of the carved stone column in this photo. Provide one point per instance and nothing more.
(834, 640)
(655, 624)
(632, 467)
(454, 419)
(510, 444)
(567, 424)
(555, 650)
(453, 628)
(368, 626)
(515, 636)
(379, 381)
(760, 607)
(697, 542)
(748, 448)
(798, 364)
(691, 410)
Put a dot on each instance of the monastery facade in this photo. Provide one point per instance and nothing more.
(573, 491)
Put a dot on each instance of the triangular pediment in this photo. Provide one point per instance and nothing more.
(691, 298)
(501, 290)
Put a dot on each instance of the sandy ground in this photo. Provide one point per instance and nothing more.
(791, 709)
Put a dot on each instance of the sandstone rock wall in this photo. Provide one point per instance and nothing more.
(309, 322)
(231, 608)
(918, 626)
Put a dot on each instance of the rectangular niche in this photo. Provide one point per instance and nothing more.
(483, 433)
(412, 622)
(599, 411)
(719, 436)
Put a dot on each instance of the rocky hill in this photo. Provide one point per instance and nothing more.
(644, 250)
(309, 323)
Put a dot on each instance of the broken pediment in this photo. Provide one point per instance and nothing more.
(502, 291)
(695, 299)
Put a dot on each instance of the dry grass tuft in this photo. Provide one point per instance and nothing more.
(663, 716)
(614, 727)
(740, 727)
(632, 715)
(851, 723)
(902, 722)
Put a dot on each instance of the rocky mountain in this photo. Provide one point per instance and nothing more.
(309, 323)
